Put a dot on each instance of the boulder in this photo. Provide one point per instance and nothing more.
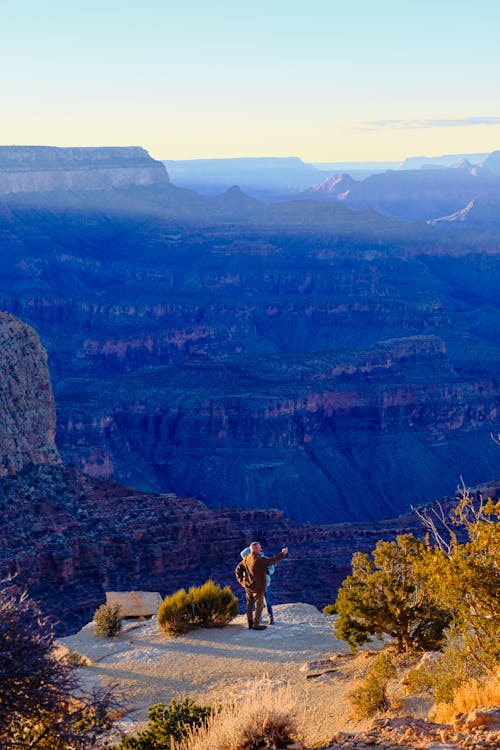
(484, 717)
(135, 603)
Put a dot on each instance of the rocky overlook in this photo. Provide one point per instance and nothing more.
(31, 169)
(67, 538)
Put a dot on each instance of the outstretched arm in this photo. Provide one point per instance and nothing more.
(276, 558)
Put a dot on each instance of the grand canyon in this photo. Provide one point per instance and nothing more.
(183, 371)
(336, 364)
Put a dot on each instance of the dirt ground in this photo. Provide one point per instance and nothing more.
(212, 665)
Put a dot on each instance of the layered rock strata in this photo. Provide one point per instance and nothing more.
(27, 409)
(30, 169)
(329, 362)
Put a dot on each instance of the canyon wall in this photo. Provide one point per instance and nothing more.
(31, 169)
(333, 438)
(27, 409)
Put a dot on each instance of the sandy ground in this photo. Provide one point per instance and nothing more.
(210, 665)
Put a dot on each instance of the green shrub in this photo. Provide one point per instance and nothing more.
(203, 606)
(371, 696)
(386, 594)
(108, 620)
(173, 613)
(212, 606)
(167, 725)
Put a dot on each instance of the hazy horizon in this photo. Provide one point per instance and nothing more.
(324, 81)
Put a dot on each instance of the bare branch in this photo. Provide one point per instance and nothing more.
(38, 690)
(434, 519)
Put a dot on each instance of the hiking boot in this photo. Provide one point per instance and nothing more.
(259, 627)
(250, 624)
(271, 621)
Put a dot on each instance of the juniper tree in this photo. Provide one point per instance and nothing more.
(386, 594)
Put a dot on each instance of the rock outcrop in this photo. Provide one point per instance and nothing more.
(34, 169)
(27, 409)
(403, 733)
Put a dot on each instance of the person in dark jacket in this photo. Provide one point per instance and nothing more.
(269, 572)
(251, 574)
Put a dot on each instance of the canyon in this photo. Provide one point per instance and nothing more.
(66, 538)
(335, 364)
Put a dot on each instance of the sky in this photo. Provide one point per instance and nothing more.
(323, 80)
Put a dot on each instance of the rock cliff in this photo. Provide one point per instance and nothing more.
(31, 169)
(27, 410)
(326, 438)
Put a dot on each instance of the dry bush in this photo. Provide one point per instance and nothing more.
(37, 687)
(108, 620)
(71, 657)
(206, 606)
(265, 718)
(445, 673)
(472, 694)
(371, 695)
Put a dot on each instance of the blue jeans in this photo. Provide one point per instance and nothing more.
(269, 603)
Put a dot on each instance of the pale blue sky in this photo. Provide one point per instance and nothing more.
(323, 80)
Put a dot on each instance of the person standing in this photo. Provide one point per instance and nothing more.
(269, 572)
(251, 573)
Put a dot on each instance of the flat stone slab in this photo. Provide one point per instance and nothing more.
(135, 603)
(320, 666)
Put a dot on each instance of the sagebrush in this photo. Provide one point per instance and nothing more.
(108, 620)
(203, 606)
